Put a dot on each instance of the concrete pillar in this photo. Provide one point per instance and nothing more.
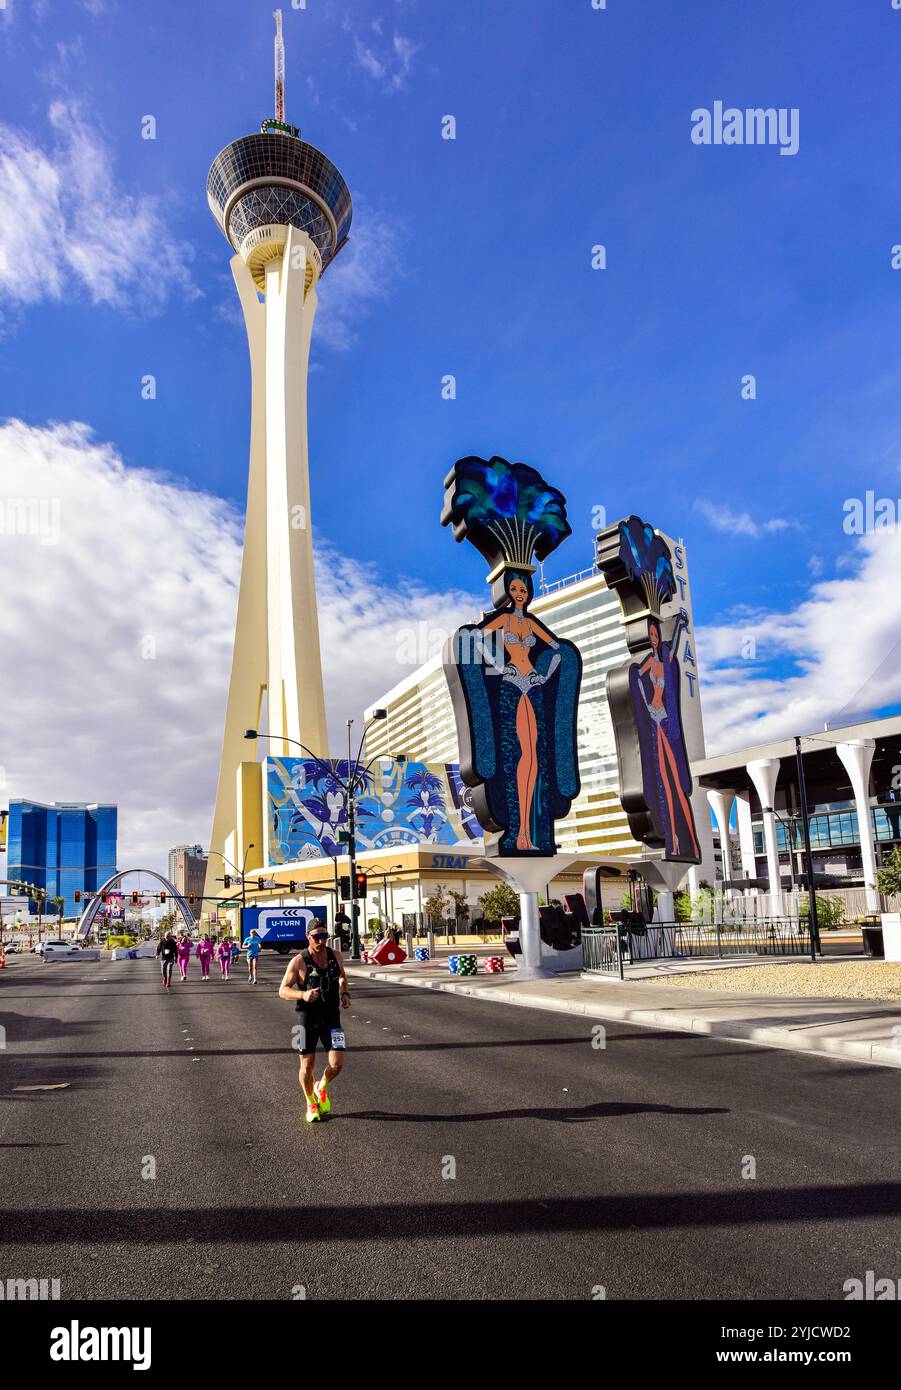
(529, 931)
(721, 803)
(745, 833)
(764, 773)
(529, 877)
(857, 759)
(665, 907)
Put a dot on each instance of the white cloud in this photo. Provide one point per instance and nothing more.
(66, 226)
(722, 518)
(390, 64)
(842, 645)
(373, 635)
(368, 60)
(363, 275)
(117, 624)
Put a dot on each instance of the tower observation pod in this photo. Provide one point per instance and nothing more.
(286, 212)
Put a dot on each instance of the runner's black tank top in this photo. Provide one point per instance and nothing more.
(327, 1008)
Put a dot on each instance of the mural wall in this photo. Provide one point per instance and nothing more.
(399, 803)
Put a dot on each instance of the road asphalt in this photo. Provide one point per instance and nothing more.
(473, 1152)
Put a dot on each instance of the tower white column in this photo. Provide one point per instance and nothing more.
(277, 628)
(764, 773)
(296, 699)
(857, 759)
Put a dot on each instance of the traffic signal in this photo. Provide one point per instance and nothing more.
(162, 897)
(227, 881)
(191, 899)
(345, 886)
(77, 895)
(134, 899)
(360, 885)
(292, 886)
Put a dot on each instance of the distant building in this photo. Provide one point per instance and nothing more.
(64, 848)
(853, 782)
(187, 871)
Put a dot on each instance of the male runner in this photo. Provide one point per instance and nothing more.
(253, 946)
(315, 979)
(167, 951)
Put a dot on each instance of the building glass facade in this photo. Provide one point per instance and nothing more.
(63, 848)
(187, 874)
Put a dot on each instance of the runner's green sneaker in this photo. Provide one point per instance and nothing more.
(312, 1112)
(321, 1094)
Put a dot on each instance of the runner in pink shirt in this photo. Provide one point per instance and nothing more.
(183, 947)
(204, 955)
(224, 957)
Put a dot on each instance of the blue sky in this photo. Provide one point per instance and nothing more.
(473, 257)
(572, 129)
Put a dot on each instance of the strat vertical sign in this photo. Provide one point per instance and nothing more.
(645, 694)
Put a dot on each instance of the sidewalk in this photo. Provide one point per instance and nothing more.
(859, 1030)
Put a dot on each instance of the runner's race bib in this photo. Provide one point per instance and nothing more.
(338, 1042)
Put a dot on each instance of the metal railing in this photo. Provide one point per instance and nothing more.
(605, 949)
(762, 936)
(602, 950)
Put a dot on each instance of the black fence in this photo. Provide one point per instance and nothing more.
(606, 949)
(602, 950)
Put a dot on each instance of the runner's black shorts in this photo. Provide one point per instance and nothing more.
(308, 1034)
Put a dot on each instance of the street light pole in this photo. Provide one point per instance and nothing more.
(244, 883)
(242, 874)
(808, 854)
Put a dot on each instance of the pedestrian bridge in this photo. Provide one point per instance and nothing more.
(88, 917)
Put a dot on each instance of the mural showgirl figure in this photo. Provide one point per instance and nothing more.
(655, 684)
(426, 803)
(644, 694)
(514, 685)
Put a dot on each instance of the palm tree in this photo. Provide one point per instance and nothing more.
(40, 897)
(59, 904)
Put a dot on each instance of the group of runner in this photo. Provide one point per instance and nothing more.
(315, 982)
(180, 948)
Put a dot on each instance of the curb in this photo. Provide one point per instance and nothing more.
(786, 1039)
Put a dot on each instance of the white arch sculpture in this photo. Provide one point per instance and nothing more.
(86, 921)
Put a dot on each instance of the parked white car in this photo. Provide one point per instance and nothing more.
(67, 950)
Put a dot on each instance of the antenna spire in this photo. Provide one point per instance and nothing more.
(279, 69)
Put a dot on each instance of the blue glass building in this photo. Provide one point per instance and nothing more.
(61, 848)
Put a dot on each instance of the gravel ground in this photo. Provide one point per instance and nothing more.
(847, 979)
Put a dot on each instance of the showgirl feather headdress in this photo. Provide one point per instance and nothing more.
(506, 510)
(648, 561)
